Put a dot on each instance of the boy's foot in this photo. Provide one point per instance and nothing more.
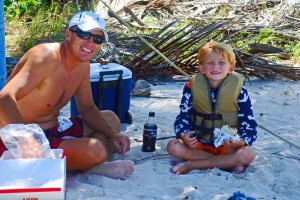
(240, 169)
(118, 169)
(236, 170)
(179, 168)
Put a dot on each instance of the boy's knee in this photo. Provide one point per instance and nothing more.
(246, 155)
(172, 146)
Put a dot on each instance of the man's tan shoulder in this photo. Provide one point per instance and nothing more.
(43, 57)
(44, 53)
(45, 49)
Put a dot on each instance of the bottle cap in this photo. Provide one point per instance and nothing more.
(151, 114)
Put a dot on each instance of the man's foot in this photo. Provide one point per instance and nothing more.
(180, 168)
(118, 169)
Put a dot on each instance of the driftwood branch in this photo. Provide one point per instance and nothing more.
(292, 18)
(180, 45)
(127, 10)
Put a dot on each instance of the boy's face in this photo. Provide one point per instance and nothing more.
(215, 67)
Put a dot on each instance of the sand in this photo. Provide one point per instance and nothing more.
(274, 174)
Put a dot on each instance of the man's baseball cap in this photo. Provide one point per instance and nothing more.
(88, 21)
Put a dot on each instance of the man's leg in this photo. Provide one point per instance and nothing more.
(90, 155)
(90, 133)
(119, 169)
(83, 153)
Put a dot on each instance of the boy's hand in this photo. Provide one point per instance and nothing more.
(191, 142)
(233, 144)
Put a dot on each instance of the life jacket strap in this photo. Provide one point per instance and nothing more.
(207, 116)
(204, 131)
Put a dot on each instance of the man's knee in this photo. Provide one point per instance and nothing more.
(96, 152)
(110, 115)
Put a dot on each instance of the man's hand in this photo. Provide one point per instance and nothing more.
(121, 143)
(191, 142)
(233, 144)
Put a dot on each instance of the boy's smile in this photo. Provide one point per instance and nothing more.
(215, 67)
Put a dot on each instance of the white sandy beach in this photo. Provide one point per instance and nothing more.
(274, 174)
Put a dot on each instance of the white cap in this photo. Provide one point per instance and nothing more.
(89, 21)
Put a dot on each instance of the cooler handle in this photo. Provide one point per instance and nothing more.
(119, 91)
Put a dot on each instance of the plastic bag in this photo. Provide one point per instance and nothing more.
(26, 141)
(64, 122)
(225, 133)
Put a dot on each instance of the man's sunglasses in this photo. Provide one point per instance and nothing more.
(98, 39)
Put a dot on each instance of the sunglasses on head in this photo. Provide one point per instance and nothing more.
(98, 39)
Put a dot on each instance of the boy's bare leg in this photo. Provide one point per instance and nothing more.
(178, 149)
(235, 159)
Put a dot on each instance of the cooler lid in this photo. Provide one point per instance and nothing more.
(95, 68)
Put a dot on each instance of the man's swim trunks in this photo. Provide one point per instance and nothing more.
(55, 137)
(2, 147)
(222, 150)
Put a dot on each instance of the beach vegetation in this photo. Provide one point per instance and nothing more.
(28, 28)
(270, 37)
(29, 22)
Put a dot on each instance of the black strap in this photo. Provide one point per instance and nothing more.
(119, 96)
(105, 84)
(207, 116)
(202, 130)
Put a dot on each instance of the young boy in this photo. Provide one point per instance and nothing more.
(213, 98)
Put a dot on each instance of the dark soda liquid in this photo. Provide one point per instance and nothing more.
(149, 137)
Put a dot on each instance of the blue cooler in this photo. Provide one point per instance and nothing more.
(111, 87)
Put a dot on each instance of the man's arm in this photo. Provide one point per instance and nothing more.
(90, 113)
(9, 112)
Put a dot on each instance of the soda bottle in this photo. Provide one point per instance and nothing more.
(149, 135)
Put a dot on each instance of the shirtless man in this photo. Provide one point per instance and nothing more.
(43, 82)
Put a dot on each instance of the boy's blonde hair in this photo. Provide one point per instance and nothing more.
(218, 47)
